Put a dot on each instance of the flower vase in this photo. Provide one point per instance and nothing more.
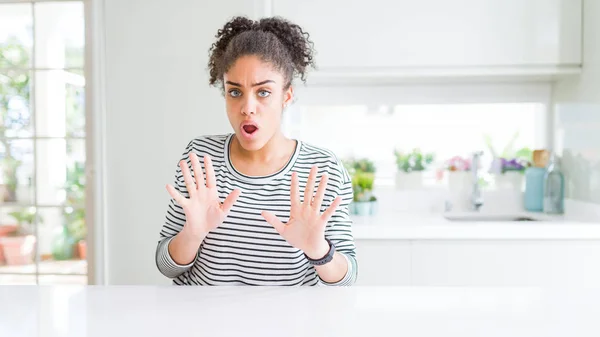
(510, 180)
(409, 180)
(362, 208)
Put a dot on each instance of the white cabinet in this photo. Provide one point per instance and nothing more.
(383, 262)
(392, 34)
(505, 263)
(484, 263)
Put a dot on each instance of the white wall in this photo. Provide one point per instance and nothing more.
(578, 115)
(157, 100)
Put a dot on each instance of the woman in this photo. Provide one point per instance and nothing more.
(244, 209)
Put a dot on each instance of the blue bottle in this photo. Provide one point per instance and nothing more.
(554, 188)
(534, 189)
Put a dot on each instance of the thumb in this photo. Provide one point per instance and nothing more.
(274, 221)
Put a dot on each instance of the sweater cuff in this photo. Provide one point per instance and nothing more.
(350, 276)
(165, 262)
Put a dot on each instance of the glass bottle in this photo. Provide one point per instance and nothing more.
(554, 187)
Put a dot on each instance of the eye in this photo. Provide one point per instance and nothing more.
(264, 93)
(235, 93)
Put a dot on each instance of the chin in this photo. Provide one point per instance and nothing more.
(254, 144)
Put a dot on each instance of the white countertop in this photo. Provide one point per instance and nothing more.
(147, 311)
(414, 226)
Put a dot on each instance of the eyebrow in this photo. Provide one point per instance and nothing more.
(254, 85)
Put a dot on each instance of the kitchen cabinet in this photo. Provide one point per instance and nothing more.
(505, 263)
(433, 37)
(383, 262)
(572, 263)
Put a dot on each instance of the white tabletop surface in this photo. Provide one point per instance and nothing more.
(311, 311)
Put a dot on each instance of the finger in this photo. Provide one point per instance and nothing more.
(331, 209)
(274, 221)
(197, 171)
(295, 191)
(180, 199)
(310, 185)
(320, 192)
(187, 177)
(230, 200)
(211, 181)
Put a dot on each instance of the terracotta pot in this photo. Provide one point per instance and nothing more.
(4, 231)
(82, 249)
(18, 250)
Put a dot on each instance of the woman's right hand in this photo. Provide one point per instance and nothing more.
(203, 209)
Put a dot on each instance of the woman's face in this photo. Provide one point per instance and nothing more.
(255, 98)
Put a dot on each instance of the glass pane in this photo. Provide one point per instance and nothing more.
(61, 236)
(16, 36)
(16, 171)
(9, 279)
(59, 101)
(59, 35)
(15, 103)
(17, 239)
(63, 279)
(61, 172)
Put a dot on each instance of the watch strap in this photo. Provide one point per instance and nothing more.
(325, 259)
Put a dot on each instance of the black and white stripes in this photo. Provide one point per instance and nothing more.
(245, 249)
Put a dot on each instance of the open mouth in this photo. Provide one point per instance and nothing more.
(249, 129)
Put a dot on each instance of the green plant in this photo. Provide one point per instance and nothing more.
(364, 165)
(25, 219)
(362, 184)
(74, 213)
(509, 152)
(14, 87)
(362, 171)
(413, 161)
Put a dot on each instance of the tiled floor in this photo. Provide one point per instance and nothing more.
(51, 272)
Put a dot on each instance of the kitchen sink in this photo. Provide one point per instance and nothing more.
(487, 217)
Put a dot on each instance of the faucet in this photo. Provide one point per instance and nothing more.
(476, 198)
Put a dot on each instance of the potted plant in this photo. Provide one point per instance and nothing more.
(5, 230)
(509, 166)
(19, 245)
(459, 181)
(410, 168)
(511, 173)
(75, 214)
(362, 172)
(362, 184)
(76, 229)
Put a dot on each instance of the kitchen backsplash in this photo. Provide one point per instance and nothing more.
(577, 140)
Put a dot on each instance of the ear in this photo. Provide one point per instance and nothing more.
(288, 96)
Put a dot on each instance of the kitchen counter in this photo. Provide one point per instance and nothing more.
(411, 226)
(44, 311)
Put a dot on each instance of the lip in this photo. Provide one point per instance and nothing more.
(247, 135)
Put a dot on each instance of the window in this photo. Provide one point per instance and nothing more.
(444, 130)
(42, 143)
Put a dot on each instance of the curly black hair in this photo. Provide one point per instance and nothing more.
(275, 40)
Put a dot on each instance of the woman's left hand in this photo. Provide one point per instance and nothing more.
(305, 229)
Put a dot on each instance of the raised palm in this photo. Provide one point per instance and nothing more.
(305, 229)
(203, 209)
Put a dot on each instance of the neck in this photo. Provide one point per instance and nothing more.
(277, 146)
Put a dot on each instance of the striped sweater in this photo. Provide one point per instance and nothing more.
(245, 249)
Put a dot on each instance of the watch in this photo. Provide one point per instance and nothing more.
(325, 259)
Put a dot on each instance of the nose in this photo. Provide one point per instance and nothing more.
(249, 106)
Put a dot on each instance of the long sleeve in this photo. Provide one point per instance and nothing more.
(173, 223)
(339, 228)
